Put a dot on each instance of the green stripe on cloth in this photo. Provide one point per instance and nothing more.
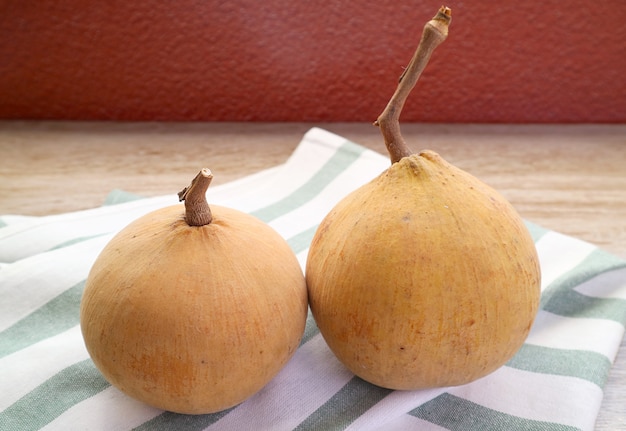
(77, 240)
(302, 240)
(596, 263)
(57, 315)
(53, 397)
(344, 156)
(582, 364)
(574, 304)
(2, 223)
(118, 196)
(355, 398)
(168, 421)
(310, 330)
(457, 414)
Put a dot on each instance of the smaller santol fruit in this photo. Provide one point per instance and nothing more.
(193, 310)
(426, 276)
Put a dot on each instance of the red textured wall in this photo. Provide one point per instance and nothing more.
(272, 60)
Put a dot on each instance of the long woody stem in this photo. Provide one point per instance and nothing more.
(435, 32)
(197, 211)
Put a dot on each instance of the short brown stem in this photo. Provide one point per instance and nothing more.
(435, 32)
(197, 211)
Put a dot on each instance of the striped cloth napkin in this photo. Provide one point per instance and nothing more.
(48, 382)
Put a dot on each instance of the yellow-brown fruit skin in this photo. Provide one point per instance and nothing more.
(193, 319)
(424, 277)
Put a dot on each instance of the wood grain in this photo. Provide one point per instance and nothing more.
(569, 178)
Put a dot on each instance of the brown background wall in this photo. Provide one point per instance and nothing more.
(294, 60)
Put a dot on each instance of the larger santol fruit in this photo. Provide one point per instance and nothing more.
(193, 309)
(426, 276)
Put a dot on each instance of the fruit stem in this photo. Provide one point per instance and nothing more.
(197, 211)
(435, 32)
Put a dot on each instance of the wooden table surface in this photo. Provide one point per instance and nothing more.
(569, 178)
